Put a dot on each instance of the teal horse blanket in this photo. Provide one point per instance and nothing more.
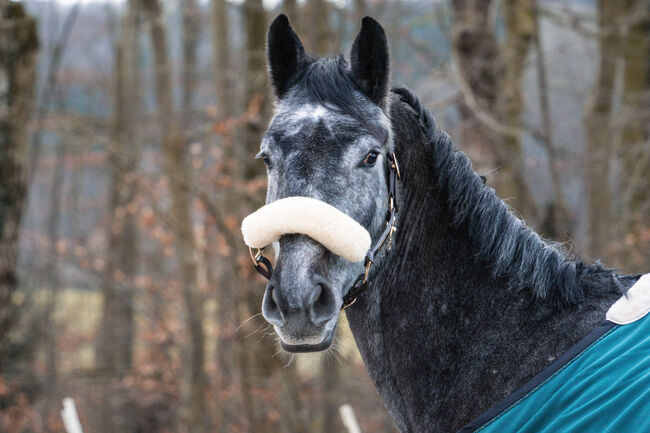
(602, 384)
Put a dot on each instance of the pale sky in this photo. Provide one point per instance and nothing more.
(269, 4)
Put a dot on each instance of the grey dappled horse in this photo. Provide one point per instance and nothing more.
(468, 303)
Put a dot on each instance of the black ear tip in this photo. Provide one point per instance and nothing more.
(369, 23)
(280, 21)
(368, 20)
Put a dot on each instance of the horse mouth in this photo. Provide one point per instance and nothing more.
(305, 348)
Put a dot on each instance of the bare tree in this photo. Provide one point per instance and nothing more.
(222, 65)
(18, 52)
(51, 268)
(191, 35)
(475, 45)
(50, 87)
(115, 348)
(192, 418)
(635, 134)
(225, 313)
(519, 35)
(320, 35)
(558, 210)
(490, 80)
(598, 127)
(252, 359)
(116, 341)
(474, 53)
(485, 78)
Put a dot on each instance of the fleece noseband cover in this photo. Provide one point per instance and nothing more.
(322, 222)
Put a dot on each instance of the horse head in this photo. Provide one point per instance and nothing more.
(329, 141)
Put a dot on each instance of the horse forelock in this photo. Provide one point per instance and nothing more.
(325, 89)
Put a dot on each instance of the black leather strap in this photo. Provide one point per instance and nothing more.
(361, 283)
(264, 266)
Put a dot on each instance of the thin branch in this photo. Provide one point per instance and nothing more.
(50, 87)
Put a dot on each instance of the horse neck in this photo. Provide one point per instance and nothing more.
(433, 306)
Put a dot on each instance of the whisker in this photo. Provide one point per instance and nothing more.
(246, 321)
(258, 328)
(291, 359)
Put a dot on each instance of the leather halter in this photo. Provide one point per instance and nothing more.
(264, 267)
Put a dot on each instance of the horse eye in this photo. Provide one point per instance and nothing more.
(371, 158)
(264, 157)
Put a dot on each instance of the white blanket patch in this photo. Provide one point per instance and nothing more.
(634, 305)
(322, 222)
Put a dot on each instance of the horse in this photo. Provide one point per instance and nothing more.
(460, 304)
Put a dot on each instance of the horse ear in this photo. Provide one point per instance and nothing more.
(285, 53)
(369, 61)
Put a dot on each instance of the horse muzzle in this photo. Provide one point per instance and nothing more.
(302, 307)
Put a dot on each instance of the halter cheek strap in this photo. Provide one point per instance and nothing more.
(264, 267)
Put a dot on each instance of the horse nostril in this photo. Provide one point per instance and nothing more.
(270, 307)
(323, 304)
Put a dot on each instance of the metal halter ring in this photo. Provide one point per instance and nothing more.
(255, 256)
(261, 263)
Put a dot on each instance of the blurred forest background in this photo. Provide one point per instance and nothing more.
(127, 131)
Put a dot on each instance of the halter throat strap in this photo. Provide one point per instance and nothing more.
(264, 267)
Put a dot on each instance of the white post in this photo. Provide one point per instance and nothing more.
(349, 419)
(70, 417)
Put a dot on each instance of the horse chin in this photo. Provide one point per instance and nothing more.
(305, 348)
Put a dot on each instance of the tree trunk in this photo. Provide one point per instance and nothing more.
(560, 213)
(493, 77)
(191, 35)
(320, 31)
(256, 96)
(256, 360)
(474, 42)
(510, 182)
(222, 65)
(18, 52)
(635, 136)
(115, 351)
(226, 304)
(192, 412)
(50, 87)
(51, 268)
(474, 52)
(598, 146)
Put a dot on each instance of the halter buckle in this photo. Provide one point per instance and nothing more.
(365, 275)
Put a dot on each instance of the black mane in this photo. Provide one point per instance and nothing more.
(506, 243)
